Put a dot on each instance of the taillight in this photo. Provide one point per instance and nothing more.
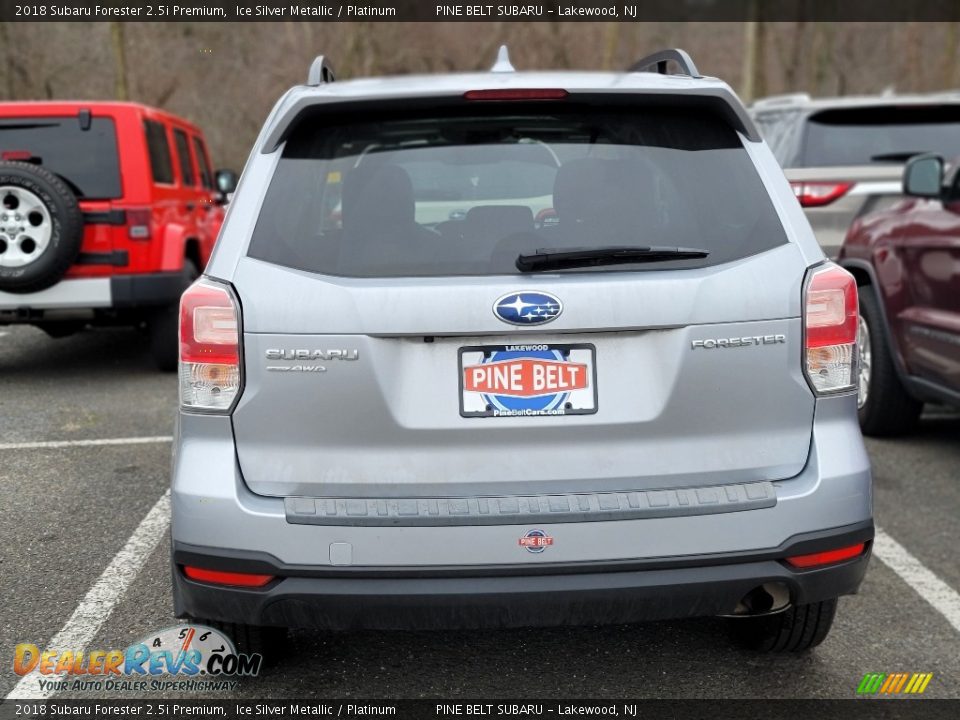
(830, 321)
(219, 577)
(817, 194)
(827, 557)
(516, 94)
(138, 223)
(209, 347)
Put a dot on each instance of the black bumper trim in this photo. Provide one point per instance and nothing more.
(105, 217)
(117, 258)
(149, 289)
(594, 595)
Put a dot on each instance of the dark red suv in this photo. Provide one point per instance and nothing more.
(108, 211)
(906, 258)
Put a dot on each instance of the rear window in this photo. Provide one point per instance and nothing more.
(467, 192)
(861, 136)
(86, 159)
(183, 155)
(206, 177)
(159, 149)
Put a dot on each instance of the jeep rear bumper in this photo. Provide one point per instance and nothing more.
(79, 294)
(575, 594)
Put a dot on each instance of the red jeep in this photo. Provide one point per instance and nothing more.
(108, 211)
(905, 255)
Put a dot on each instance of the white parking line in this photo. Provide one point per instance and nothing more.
(944, 599)
(105, 594)
(86, 443)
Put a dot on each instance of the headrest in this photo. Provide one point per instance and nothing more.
(594, 191)
(500, 218)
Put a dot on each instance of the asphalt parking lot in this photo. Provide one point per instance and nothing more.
(69, 508)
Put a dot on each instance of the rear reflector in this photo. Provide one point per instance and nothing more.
(209, 347)
(818, 194)
(16, 155)
(830, 329)
(828, 557)
(217, 577)
(516, 94)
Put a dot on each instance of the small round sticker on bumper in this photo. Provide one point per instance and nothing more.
(536, 541)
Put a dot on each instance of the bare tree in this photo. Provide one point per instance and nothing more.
(121, 88)
(748, 72)
(6, 66)
(611, 41)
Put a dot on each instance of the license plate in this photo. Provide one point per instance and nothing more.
(532, 380)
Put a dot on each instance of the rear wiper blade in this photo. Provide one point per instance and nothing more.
(560, 258)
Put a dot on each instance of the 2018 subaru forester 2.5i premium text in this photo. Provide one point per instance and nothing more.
(513, 348)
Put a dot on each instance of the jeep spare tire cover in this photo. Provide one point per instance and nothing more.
(41, 227)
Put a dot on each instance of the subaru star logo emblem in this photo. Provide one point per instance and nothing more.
(527, 308)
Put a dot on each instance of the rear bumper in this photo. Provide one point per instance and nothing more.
(346, 576)
(72, 294)
(389, 599)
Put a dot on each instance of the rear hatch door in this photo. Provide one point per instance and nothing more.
(391, 353)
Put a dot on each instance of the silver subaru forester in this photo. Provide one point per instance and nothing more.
(515, 348)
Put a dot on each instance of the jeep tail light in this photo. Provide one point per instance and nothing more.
(138, 223)
(209, 347)
(831, 321)
(818, 194)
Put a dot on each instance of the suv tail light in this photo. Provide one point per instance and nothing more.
(139, 224)
(818, 194)
(830, 321)
(209, 347)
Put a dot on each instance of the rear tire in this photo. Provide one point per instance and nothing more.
(796, 629)
(249, 639)
(64, 329)
(164, 326)
(888, 409)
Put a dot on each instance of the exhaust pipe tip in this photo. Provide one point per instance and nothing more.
(764, 599)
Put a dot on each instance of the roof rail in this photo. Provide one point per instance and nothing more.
(659, 60)
(321, 71)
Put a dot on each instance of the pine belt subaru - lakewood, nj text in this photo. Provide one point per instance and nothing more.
(518, 348)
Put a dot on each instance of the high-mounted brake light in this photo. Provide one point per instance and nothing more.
(828, 557)
(516, 94)
(209, 347)
(218, 577)
(139, 223)
(818, 194)
(831, 320)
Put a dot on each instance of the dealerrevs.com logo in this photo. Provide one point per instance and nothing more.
(182, 657)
